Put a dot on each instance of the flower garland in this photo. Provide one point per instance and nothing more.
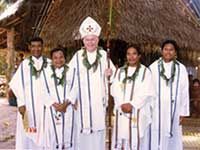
(162, 72)
(133, 76)
(86, 62)
(59, 81)
(34, 71)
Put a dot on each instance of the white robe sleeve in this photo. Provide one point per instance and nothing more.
(116, 92)
(72, 88)
(72, 78)
(146, 94)
(184, 103)
(113, 71)
(17, 86)
(49, 97)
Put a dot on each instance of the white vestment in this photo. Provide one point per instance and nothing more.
(61, 126)
(29, 91)
(92, 99)
(172, 102)
(131, 130)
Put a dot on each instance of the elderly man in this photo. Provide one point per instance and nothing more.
(91, 66)
(28, 84)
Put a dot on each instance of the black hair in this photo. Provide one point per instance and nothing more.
(170, 41)
(196, 80)
(135, 46)
(36, 39)
(57, 49)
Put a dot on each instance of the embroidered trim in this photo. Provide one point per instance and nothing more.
(79, 86)
(32, 97)
(90, 105)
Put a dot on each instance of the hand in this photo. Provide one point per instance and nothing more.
(61, 107)
(126, 108)
(181, 120)
(75, 106)
(22, 110)
(108, 72)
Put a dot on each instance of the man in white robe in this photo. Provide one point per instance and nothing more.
(172, 103)
(28, 84)
(132, 87)
(60, 117)
(91, 70)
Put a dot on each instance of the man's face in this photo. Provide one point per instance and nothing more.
(168, 52)
(91, 42)
(36, 48)
(58, 59)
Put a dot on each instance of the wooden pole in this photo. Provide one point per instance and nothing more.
(11, 52)
(108, 59)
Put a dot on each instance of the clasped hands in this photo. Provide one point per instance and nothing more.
(126, 108)
(61, 107)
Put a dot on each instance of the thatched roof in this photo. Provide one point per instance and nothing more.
(24, 21)
(138, 21)
(146, 22)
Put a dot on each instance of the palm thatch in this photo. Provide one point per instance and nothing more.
(65, 17)
(138, 21)
(146, 22)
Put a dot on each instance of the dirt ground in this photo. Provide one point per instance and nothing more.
(191, 129)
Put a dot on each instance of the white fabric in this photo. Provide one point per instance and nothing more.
(94, 141)
(27, 140)
(89, 27)
(69, 121)
(98, 91)
(37, 62)
(91, 56)
(59, 72)
(182, 108)
(143, 95)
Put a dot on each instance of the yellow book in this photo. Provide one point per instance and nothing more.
(25, 121)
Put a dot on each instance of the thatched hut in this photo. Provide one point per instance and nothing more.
(146, 22)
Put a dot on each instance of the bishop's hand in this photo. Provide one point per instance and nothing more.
(126, 108)
(61, 107)
(108, 72)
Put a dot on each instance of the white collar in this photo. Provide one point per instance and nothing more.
(37, 59)
(59, 71)
(131, 70)
(91, 56)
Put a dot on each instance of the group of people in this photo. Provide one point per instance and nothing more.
(63, 106)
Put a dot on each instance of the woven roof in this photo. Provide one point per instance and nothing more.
(138, 21)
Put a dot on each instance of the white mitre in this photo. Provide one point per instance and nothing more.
(89, 27)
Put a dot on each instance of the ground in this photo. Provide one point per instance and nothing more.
(191, 129)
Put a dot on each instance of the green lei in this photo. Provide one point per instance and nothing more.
(162, 71)
(59, 81)
(36, 72)
(96, 62)
(133, 76)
